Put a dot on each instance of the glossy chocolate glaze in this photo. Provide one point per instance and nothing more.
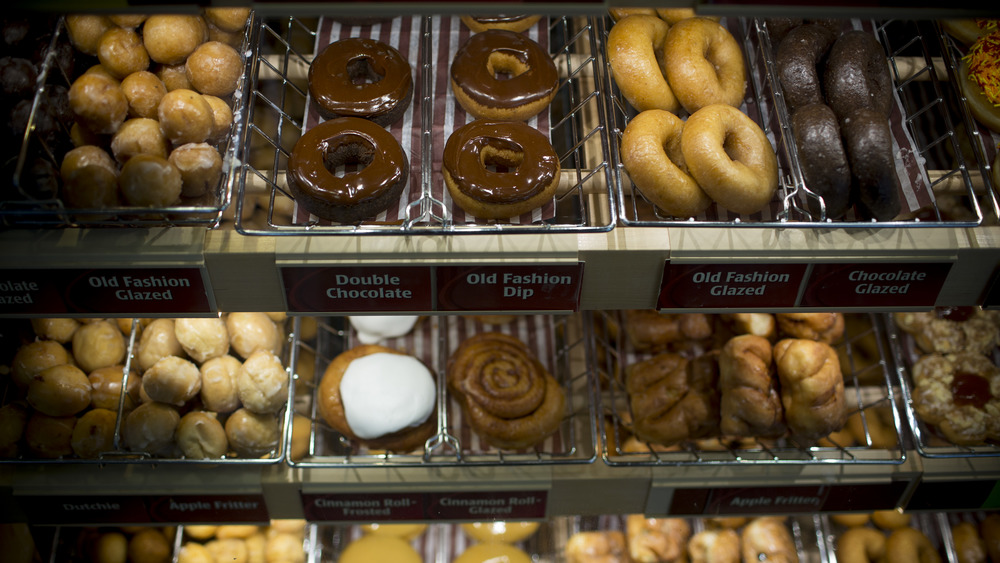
(340, 140)
(339, 75)
(463, 159)
(470, 70)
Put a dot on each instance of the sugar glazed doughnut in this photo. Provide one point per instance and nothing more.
(359, 77)
(651, 153)
(909, 545)
(704, 64)
(500, 74)
(487, 194)
(516, 23)
(357, 195)
(861, 545)
(730, 157)
(633, 46)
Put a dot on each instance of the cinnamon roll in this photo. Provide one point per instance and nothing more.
(507, 395)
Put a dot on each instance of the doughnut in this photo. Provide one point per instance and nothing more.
(908, 545)
(704, 64)
(675, 15)
(651, 154)
(729, 156)
(870, 154)
(851, 520)
(250, 332)
(227, 19)
(262, 383)
(797, 59)
(174, 77)
(656, 539)
(767, 539)
(98, 102)
(503, 75)
(130, 21)
(597, 547)
(170, 38)
(953, 392)
(493, 553)
(357, 195)
(200, 435)
(150, 181)
(139, 135)
(252, 434)
(861, 545)
(358, 77)
(371, 548)
(979, 77)
(989, 528)
(121, 52)
(778, 28)
(822, 158)
(715, 546)
(499, 530)
(89, 178)
(969, 547)
(85, 31)
(622, 13)
(531, 179)
(143, 90)
(94, 433)
(222, 118)
(150, 427)
(59, 391)
(200, 165)
(633, 44)
(857, 75)
(890, 519)
(516, 23)
(185, 117)
(214, 68)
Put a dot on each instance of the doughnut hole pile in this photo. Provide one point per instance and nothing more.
(282, 540)
(135, 544)
(65, 382)
(159, 85)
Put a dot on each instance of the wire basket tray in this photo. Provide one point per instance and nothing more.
(555, 340)
(279, 114)
(868, 388)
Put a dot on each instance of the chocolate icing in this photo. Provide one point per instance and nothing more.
(463, 159)
(500, 18)
(857, 75)
(472, 72)
(359, 77)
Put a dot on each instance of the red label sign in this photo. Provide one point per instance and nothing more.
(876, 285)
(352, 289)
(695, 286)
(538, 287)
(786, 500)
(388, 507)
(103, 509)
(126, 291)
(207, 508)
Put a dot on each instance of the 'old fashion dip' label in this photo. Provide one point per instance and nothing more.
(730, 285)
(542, 287)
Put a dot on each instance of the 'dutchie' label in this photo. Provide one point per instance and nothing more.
(875, 285)
(357, 288)
(730, 285)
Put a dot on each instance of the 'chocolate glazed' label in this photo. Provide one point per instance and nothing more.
(474, 72)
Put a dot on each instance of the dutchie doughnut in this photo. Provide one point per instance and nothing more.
(907, 545)
(358, 77)
(822, 158)
(730, 158)
(529, 84)
(704, 64)
(633, 44)
(516, 23)
(857, 75)
(357, 195)
(797, 59)
(530, 182)
(651, 153)
(869, 152)
(861, 545)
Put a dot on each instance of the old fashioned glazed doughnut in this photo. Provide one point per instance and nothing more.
(515, 22)
(798, 59)
(857, 75)
(909, 545)
(356, 195)
(531, 179)
(359, 77)
(730, 157)
(871, 157)
(861, 545)
(500, 74)
(651, 153)
(704, 64)
(822, 158)
(635, 47)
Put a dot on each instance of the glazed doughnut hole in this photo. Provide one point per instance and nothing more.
(172, 380)
(80, 136)
(59, 329)
(143, 90)
(222, 117)
(121, 52)
(94, 433)
(106, 387)
(250, 332)
(150, 427)
(49, 437)
(251, 434)
(89, 177)
(98, 102)
(150, 181)
(85, 31)
(227, 19)
(185, 117)
(35, 357)
(59, 391)
(13, 419)
(201, 436)
(130, 21)
(149, 546)
(98, 344)
(262, 384)
(218, 384)
(139, 135)
(158, 341)
(200, 165)
(202, 338)
(170, 38)
(214, 68)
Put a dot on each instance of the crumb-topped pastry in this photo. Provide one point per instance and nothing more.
(960, 395)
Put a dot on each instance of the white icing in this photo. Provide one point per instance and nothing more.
(383, 393)
(374, 329)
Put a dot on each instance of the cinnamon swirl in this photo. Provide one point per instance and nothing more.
(507, 395)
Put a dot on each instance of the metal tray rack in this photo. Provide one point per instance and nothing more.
(557, 342)
(279, 114)
(26, 207)
(926, 127)
(867, 384)
(931, 525)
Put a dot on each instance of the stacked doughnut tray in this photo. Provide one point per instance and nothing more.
(280, 112)
(555, 340)
(870, 394)
(927, 127)
(34, 200)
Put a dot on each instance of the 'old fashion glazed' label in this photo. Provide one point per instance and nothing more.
(730, 285)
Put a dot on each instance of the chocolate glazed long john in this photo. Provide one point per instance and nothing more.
(507, 395)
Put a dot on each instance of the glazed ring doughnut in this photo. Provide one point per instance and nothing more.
(730, 158)
(907, 545)
(531, 78)
(851, 520)
(529, 184)
(674, 15)
(357, 195)
(622, 13)
(632, 46)
(516, 23)
(705, 64)
(651, 153)
(861, 545)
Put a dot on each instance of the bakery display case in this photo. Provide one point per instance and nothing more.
(569, 273)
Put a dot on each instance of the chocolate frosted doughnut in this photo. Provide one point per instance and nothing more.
(857, 75)
(822, 157)
(870, 154)
(358, 77)
(798, 58)
(355, 196)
